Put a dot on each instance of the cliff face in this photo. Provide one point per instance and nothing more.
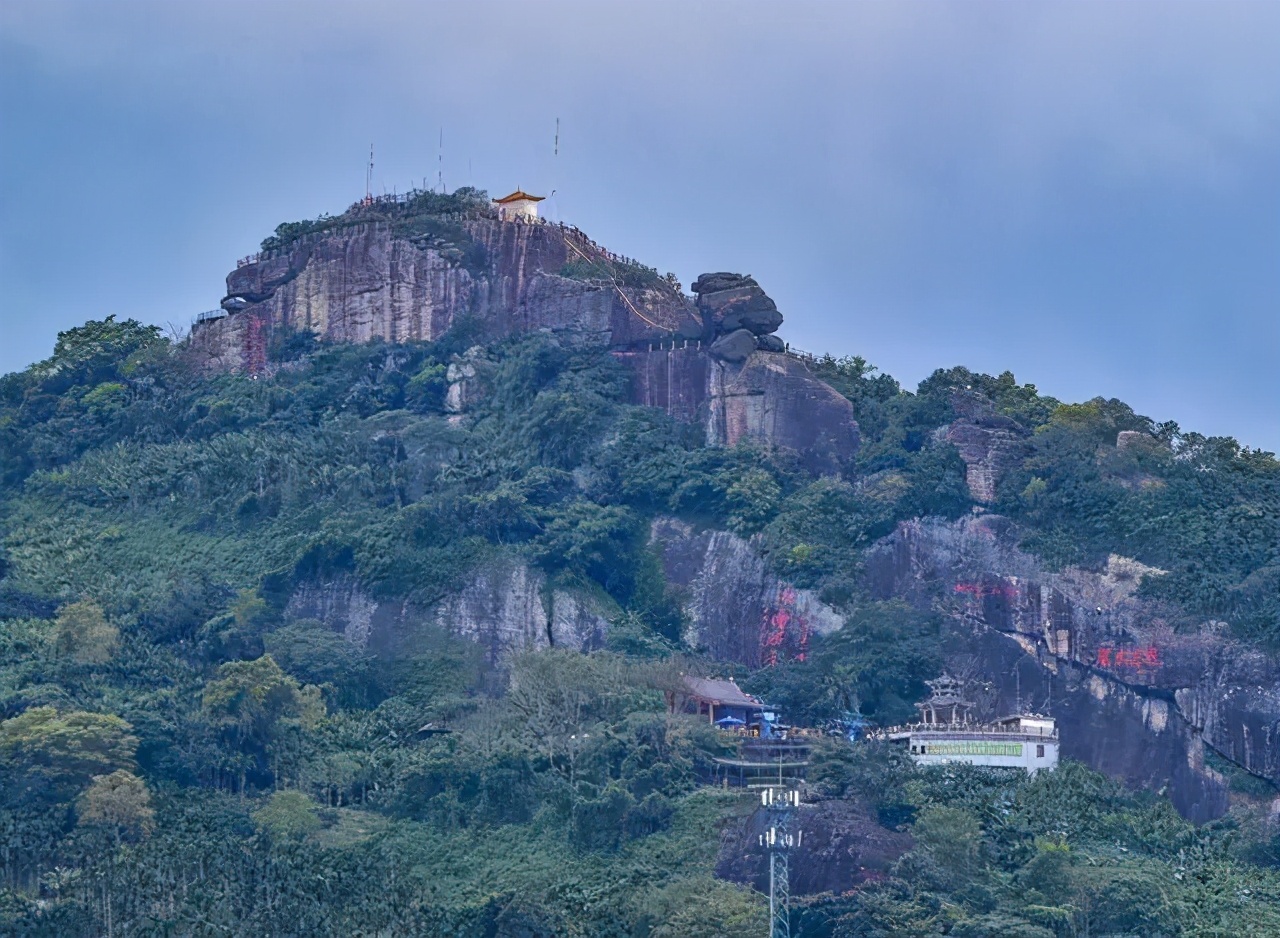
(1133, 697)
(843, 846)
(505, 608)
(716, 363)
(769, 398)
(363, 281)
(736, 610)
(988, 442)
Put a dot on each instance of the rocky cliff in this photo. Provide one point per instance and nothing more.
(1134, 697)
(366, 280)
(735, 609)
(843, 847)
(988, 442)
(505, 607)
(715, 361)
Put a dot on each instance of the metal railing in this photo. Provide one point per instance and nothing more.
(976, 729)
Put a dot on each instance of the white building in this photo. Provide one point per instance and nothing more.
(946, 734)
(518, 204)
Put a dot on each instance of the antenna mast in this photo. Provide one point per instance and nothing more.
(368, 178)
(440, 163)
(779, 803)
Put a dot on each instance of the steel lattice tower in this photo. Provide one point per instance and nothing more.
(779, 804)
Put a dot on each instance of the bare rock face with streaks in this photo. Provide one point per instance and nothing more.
(364, 281)
(735, 608)
(507, 608)
(1134, 697)
(746, 386)
(988, 442)
(715, 363)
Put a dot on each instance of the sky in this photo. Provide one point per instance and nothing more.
(1085, 194)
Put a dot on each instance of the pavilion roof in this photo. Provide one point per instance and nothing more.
(519, 196)
(720, 692)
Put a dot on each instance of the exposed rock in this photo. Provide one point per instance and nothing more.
(734, 347)
(770, 343)
(988, 442)
(340, 604)
(714, 283)
(776, 401)
(360, 282)
(736, 609)
(1134, 697)
(843, 846)
(673, 379)
(507, 608)
(466, 380)
(729, 302)
(771, 399)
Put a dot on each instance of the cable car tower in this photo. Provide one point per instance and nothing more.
(779, 805)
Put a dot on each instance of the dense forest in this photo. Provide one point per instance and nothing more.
(179, 755)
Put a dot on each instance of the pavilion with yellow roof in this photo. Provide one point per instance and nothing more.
(518, 204)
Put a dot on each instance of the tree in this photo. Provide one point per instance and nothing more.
(310, 651)
(262, 710)
(287, 814)
(952, 837)
(83, 634)
(97, 352)
(250, 698)
(50, 755)
(120, 803)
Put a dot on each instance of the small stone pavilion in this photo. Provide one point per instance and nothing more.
(518, 204)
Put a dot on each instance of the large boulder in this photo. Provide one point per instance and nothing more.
(843, 846)
(729, 302)
(734, 347)
(774, 400)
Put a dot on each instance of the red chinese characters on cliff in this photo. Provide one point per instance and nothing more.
(1132, 658)
(784, 632)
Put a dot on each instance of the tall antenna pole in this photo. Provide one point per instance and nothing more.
(440, 163)
(368, 177)
(557, 152)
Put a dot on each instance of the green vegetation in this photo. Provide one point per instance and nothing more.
(184, 752)
(623, 274)
(417, 217)
(1066, 853)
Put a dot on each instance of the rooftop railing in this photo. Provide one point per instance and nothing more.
(985, 729)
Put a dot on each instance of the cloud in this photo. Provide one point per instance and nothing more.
(922, 183)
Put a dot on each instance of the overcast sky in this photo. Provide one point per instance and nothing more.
(1086, 194)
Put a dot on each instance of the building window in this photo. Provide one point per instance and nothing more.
(914, 750)
(922, 750)
(1040, 751)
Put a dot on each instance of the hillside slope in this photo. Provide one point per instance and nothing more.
(234, 595)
